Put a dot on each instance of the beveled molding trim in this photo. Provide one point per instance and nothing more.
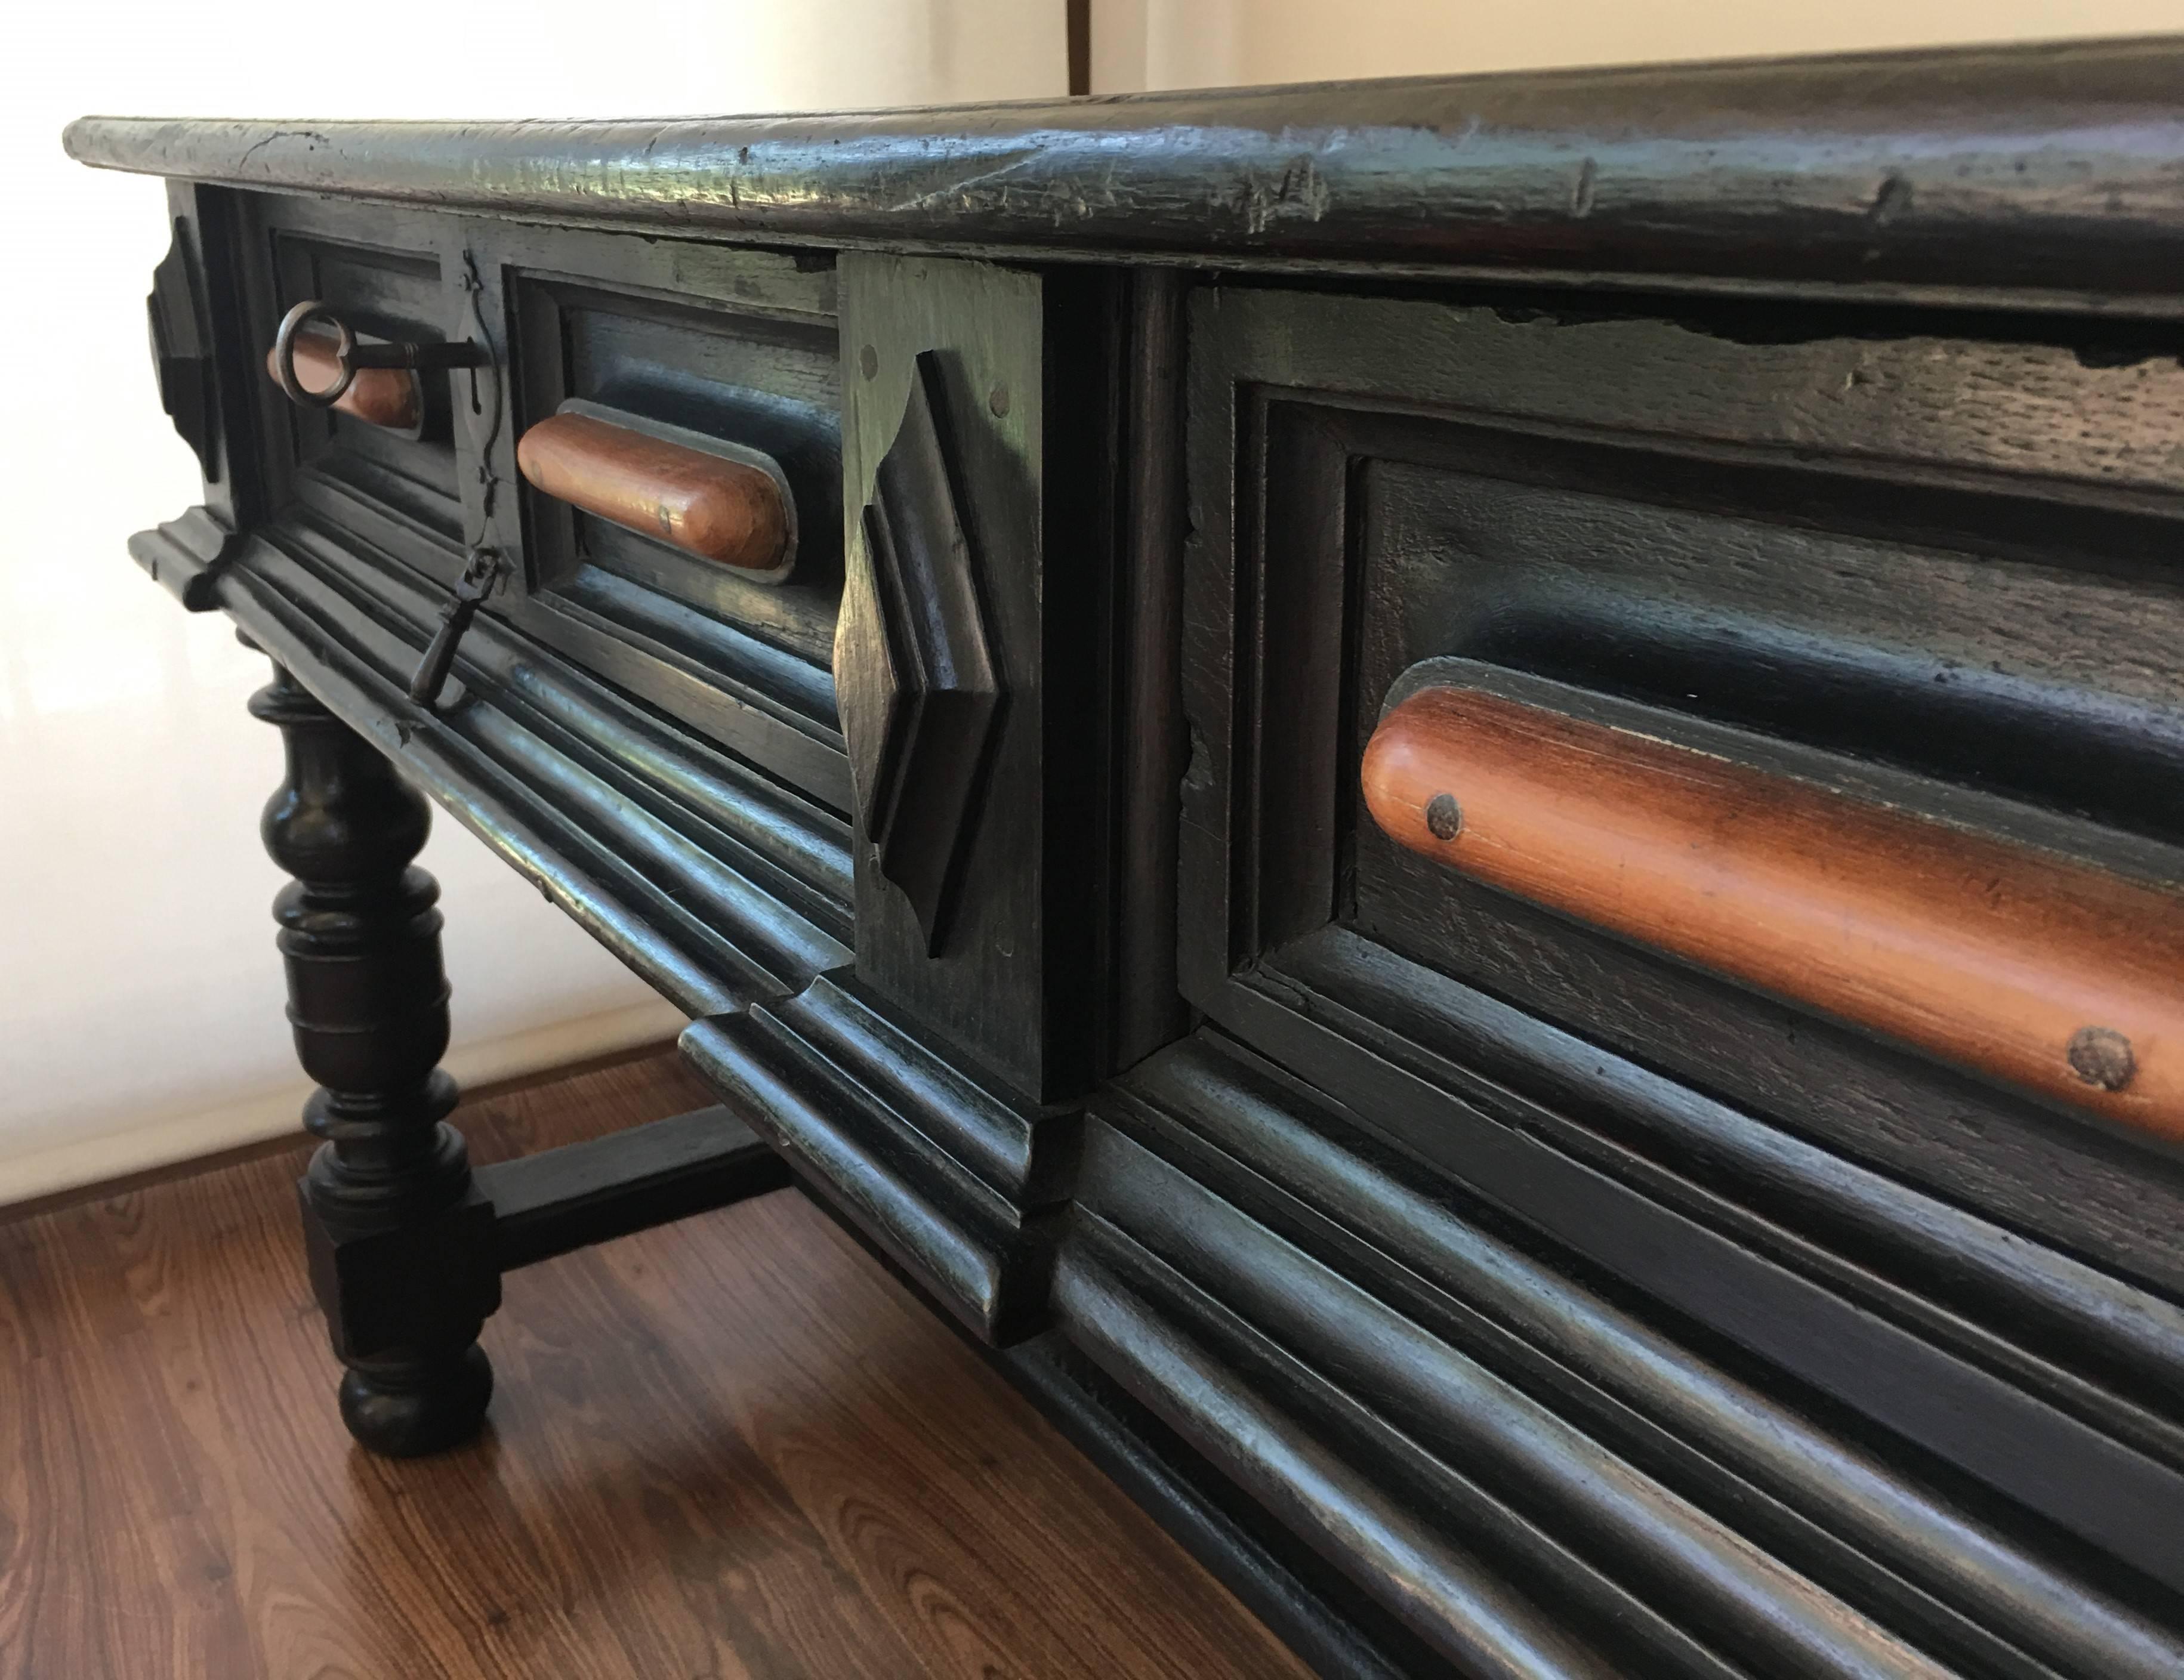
(1531, 1464)
(2048, 1382)
(183, 556)
(714, 882)
(2048, 172)
(957, 1182)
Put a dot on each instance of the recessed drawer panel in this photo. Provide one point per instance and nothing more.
(395, 448)
(1928, 574)
(766, 386)
(682, 507)
(1712, 788)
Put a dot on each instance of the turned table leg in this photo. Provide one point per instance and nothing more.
(401, 1241)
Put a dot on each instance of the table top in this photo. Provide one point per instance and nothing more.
(1875, 174)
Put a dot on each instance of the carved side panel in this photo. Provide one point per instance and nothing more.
(196, 348)
(938, 664)
(182, 349)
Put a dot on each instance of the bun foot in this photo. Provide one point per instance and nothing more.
(405, 1409)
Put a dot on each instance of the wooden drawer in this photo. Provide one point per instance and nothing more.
(730, 347)
(739, 347)
(394, 283)
(657, 747)
(1927, 566)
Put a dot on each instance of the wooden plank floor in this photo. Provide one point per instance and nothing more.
(729, 1447)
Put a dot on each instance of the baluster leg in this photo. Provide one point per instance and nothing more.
(400, 1239)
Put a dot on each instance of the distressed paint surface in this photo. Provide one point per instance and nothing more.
(1874, 172)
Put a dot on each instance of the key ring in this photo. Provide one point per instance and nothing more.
(284, 355)
(350, 356)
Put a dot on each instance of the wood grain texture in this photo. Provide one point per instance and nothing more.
(2044, 973)
(728, 1447)
(388, 398)
(717, 509)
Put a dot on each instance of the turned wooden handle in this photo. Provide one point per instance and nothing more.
(2062, 978)
(384, 396)
(705, 505)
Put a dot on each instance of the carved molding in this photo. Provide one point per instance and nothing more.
(961, 1183)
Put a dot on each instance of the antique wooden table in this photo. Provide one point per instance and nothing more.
(1457, 800)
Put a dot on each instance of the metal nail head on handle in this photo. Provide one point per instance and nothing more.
(351, 357)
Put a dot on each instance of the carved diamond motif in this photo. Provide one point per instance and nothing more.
(919, 691)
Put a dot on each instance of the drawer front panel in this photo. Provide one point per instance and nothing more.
(1915, 569)
(764, 383)
(397, 291)
(737, 348)
(1386, 491)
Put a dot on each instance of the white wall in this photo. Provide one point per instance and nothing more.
(1212, 43)
(139, 995)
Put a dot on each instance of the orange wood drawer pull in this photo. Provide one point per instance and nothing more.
(2062, 978)
(384, 396)
(705, 505)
